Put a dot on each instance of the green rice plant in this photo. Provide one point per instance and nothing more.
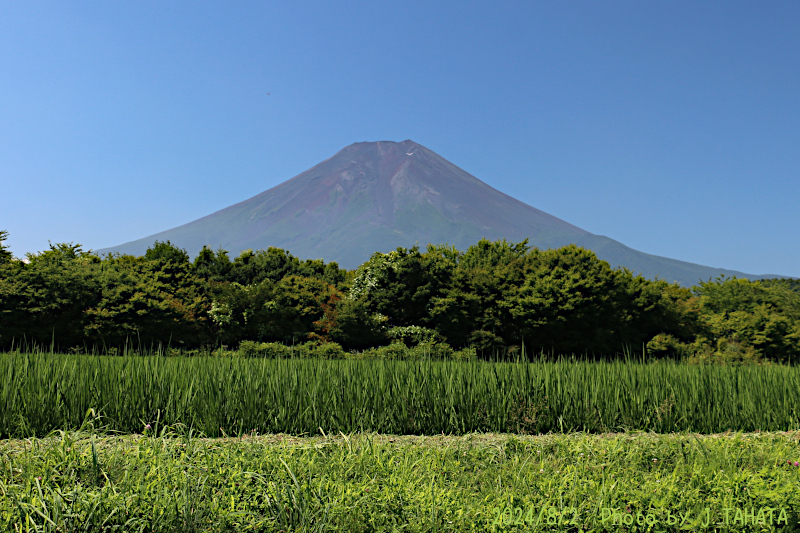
(42, 392)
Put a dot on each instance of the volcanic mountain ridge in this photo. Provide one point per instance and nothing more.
(376, 196)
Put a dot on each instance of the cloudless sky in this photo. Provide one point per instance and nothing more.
(672, 127)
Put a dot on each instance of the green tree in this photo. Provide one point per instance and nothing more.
(149, 302)
(566, 302)
(211, 266)
(654, 308)
(297, 305)
(242, 312)
(401, 285)
(5, 253)
(745, 316)
(469, 309)
(275, 264)
(43, 300)
(792, 284)
(356, 326)
(165, 253)
(284, 311)
(327, 272)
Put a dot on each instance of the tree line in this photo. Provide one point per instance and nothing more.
(495, 297)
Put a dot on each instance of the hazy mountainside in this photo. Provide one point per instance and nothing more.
(376, 196)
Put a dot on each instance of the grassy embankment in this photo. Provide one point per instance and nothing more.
(80, 481)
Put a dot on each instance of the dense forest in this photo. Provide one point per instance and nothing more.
(495, 297)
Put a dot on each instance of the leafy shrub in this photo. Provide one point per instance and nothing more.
(274, 350)
(328, 350)
(396, 350)
(414, 335)
(465, 354)
(174, 352)
(270, 350)
(249, 349)
(431, 350)
(318, 350)
(726, 351)
(428, 350)
(664, 344)
(304, 350)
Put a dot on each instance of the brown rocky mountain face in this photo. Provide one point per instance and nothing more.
(376, 196)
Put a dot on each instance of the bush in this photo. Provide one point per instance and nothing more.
(274, 350)
(317, 350)
(270, 350)
(249, 349)
(328, 350)
(725, 351)
(423, 350)
(465, 354)
(396, 350)
(440, 351)
(414, 335)
(431, 350)
(663, 345)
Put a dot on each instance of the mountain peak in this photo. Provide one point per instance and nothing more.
(384, 147)
(376, 196)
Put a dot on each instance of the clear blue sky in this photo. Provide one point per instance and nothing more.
(672, 127)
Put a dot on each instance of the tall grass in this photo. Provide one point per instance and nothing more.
(360, 483)
(42, 392)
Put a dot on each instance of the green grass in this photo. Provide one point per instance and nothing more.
(82, 458)
(89, 481)
(42, 392)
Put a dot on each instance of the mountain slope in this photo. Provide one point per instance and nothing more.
(376, 196)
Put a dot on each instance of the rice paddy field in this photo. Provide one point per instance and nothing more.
(146, 443)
